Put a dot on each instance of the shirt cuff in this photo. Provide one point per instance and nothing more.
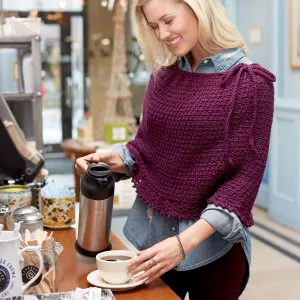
(225, 222)
(127, 159)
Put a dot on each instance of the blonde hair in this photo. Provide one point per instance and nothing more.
(216, 31)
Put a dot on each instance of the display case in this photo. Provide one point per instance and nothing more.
(24, 96)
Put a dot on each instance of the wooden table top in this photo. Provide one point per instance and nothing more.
(73, 270)
(75, 146)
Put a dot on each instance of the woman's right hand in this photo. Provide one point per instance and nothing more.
(113, 160)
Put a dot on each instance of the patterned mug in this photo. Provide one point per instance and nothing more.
(58, 212)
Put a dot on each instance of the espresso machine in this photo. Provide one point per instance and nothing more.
(19, 162)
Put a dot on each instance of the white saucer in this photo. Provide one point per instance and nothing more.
(95, 279)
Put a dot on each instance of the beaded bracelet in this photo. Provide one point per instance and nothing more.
(181, 247)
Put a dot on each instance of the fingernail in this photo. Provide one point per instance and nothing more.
(130, 274)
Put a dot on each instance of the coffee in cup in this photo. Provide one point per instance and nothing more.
(116, 258)
(113, 265)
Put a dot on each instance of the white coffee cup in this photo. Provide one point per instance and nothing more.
(10, 270)
(114, 272)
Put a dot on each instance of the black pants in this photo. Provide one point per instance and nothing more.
(220, 280)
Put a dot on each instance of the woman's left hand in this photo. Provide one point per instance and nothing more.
(156, 260)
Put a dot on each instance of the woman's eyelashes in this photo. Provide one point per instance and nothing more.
(155, 27)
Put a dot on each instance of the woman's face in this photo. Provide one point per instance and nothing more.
(173, 23)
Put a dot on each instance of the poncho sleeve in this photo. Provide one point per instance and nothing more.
(248, 139)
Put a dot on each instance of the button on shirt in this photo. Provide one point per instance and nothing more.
(146, 227)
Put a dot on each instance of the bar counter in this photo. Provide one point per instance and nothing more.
(73, 270)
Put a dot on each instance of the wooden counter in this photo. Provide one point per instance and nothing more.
(73, 270)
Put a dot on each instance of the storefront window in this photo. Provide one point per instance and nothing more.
(43, 5)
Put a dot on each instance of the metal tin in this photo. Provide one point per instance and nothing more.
(58, 212)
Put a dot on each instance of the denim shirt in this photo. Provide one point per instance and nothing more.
(145, 227)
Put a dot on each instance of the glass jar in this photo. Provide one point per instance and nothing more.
(32, 222)
(46, 283)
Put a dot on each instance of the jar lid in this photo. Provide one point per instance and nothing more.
(5, 210)
(35, 217)
(24, 210)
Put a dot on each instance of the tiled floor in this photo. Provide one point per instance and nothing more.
(274, 275)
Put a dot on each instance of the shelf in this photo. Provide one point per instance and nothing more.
(16, 41)
(21, 97)
(28, 43)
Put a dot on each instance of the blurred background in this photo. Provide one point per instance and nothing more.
(65, 63)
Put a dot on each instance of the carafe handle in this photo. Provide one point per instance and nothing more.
(37, 250)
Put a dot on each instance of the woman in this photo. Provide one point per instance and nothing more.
(200, 152)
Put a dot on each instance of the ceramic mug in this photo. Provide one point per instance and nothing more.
(114, 272)
(11, 283)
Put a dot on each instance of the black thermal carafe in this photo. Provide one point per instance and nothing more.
(96, 204)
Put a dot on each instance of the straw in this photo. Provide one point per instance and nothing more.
(16, 230)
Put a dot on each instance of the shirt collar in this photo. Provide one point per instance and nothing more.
(221, 61)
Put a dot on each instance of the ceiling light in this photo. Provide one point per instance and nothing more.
(104, 3)
(105, 42)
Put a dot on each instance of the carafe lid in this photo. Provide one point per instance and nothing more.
(99, 172)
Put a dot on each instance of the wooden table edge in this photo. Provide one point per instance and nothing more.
(67, 238)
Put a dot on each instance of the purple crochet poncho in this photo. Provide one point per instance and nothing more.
(204, 139)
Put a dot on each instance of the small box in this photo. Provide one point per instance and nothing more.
(115, 133)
